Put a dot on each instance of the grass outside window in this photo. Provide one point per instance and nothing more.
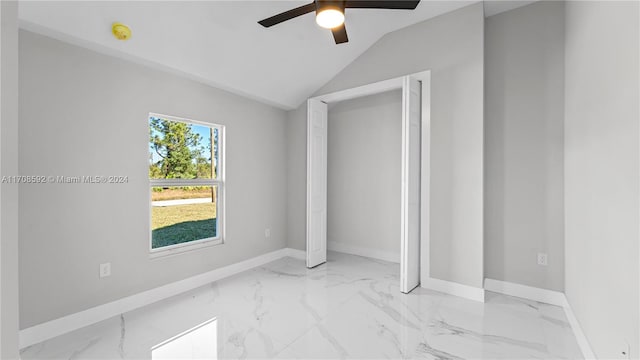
(177, 224)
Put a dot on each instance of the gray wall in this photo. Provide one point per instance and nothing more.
(363, 173)
(8, 167)
(524, 113)
(451, 46)
(297, 177)
(86, 113)
(602, 172)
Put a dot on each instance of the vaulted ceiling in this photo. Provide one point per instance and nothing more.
(220, 42)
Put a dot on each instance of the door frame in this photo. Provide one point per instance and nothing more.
(425, 154)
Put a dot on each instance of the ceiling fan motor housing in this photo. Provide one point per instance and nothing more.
(322, 5)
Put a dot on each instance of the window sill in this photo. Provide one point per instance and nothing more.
(184, 248)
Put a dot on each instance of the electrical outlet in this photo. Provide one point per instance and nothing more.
(105, 270)
(267, 233)
(542, 259)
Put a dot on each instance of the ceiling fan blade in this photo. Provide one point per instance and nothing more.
(382, 4)
(288, 15)
(340, 34)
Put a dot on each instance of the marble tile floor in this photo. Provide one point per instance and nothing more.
(350, 307)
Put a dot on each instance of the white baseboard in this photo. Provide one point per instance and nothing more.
(545, 296)
(581, 338)
(525, 292)
(363, 251)
(452, 288)
(53, 328)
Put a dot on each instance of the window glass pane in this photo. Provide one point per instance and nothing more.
(179, 150)
(183, 214)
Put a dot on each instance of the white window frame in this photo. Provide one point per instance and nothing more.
(218, 182)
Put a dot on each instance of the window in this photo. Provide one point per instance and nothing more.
(186, 183)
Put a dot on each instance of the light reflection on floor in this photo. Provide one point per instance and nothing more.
(200, 342)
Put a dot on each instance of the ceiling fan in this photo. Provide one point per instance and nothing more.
(330, 14)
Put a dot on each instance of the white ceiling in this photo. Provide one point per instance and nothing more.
(220, 42)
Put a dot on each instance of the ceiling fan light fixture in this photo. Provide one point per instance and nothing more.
(330, 17)
(330, 14)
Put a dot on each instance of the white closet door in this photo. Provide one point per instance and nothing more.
(410, 212)
(316, 182)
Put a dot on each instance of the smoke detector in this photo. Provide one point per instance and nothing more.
(121, 31)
